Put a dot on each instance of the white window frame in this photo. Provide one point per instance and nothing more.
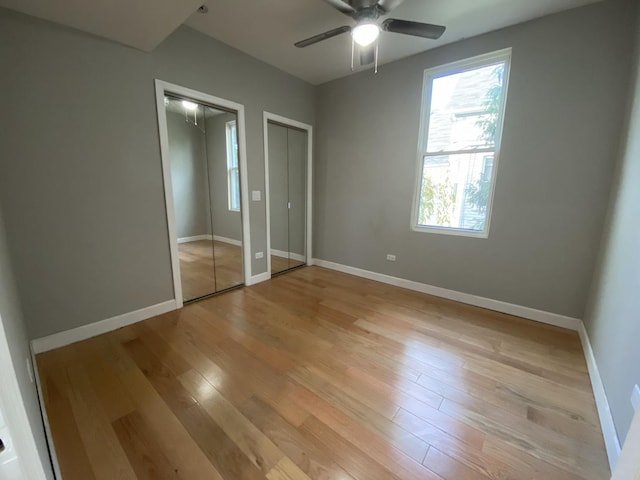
(230, 167)
(445, 70)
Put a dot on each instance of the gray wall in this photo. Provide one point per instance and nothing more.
(16, 334)
(565, 109)
(80, 170)
(188, 158)
(612, 319)
(225, 223)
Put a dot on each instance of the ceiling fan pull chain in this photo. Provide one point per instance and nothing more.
(353, 47)
(375, 71)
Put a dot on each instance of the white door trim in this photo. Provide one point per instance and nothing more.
(163, 87)
(267, 116)
(22, 441)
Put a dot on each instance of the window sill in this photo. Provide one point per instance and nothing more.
(460, 232)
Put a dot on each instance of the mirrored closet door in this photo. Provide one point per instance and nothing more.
(205, 178)
(287, 158)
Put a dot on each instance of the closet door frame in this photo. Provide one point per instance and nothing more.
(163, 88)
(288, 122)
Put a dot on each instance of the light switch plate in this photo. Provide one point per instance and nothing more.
(256, 195)
(635, 397)
(391, 258)
(259, 255)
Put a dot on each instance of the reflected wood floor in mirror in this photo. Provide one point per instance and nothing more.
(197, 267)
(280, 264)
(321, 375)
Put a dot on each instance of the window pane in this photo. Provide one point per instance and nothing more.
(465, 109)
(235, 189)
(455, 191)
(234, 145)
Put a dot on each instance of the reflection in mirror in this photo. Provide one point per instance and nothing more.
(205, 178)
(224, 188)
(287, 196)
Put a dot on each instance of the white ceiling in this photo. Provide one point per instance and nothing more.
(142, 24)
(267, 29)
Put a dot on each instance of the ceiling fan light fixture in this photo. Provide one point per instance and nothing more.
(365, 34)
(189, 106)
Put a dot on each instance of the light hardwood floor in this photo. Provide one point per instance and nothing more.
(321, 375)
(208, 266)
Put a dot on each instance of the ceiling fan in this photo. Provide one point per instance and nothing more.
(367, 29)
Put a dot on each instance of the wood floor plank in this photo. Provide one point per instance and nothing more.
(388, 455)
(173, 438)
(352, 414)
(308, 455)
(103, 448)
(261, 451)
(449, 468)
(319, 375)
(73, 459)
(145, 455)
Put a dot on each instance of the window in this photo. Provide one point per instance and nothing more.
(460, 135)
(233, 172)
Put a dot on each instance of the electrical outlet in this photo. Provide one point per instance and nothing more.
(259, 255)
(256, 195)
(635, 397)
(391, 258)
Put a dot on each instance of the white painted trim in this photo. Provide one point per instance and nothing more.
(488, 303)
(231, 241)
(611, 441)
(283, 254)
(195, 238)
(266, 116)
(162, 88)
(45, 417)
(83, 332)
(16, 416)
(261, 277)
(217, 238)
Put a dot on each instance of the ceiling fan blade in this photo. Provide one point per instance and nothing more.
(342, 6)
(367, 54)
(322, 36)
(388, 5)
(416, 29)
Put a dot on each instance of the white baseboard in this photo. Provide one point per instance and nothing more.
(259, 278)
(231, 241)
(83, 332)
(283, 254)
(217, 238)
(195, 238)
(488, 303)
(611, 440)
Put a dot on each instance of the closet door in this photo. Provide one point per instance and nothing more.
(278, 197)
(224, 193)
(192, 206)
(205, 175)
(297, 173)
